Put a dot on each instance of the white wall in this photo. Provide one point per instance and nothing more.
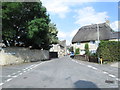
(61, 50)
(92, 47)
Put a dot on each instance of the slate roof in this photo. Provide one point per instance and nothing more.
(62, 43)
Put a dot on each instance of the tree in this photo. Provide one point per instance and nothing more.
(87, 49)
(53, 33)
(37, 32)
(27, 22)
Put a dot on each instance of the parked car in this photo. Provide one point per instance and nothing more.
(72, 54)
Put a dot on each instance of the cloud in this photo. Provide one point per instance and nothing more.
(72, 34)
(57, 7)
(62, 7)
(114, 25)
(88, 15)
(67, 36)
(62, 35)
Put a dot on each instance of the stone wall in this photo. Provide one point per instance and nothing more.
(80, 57)
(15, 55)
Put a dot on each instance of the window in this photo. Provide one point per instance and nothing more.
(92, 42)
(78, 43)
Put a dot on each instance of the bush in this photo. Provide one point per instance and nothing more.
(109, 50)
(87, 49)
(77, 51)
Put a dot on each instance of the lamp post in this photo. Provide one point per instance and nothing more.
(98, 38)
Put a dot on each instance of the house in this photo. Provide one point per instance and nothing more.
(115, 36)
(60, 48)
(89, 34)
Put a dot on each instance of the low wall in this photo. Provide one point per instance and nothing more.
(15, 55)
(80, 57)
(8, 59)
(86, 58)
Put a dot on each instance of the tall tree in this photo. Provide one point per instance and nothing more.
(27, 22)
(53, 33)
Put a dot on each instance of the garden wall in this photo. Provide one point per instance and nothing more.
(15, 55)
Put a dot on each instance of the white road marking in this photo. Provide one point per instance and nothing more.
(89, 66)
(24, 71)
(31, 68)
(19, 71)
(94, 68)
(32, 65)
(105, 72)
(112, 75)
(117, 79)
(28, 70)
(1, 84)
(13, 74)
(76, 62)
(9, 76)
(8, 79)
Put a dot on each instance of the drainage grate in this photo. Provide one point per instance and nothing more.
(24, 77)
(109, 81)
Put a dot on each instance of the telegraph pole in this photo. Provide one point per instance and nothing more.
(98, 32)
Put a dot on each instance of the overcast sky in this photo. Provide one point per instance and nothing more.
(70, 15)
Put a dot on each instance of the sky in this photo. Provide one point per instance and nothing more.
(70, 15)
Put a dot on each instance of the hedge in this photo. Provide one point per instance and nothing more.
(77, 51)
(109, 50)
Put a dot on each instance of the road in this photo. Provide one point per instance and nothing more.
(59, 73)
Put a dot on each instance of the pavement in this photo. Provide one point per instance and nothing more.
(60, 73)
(116, 64)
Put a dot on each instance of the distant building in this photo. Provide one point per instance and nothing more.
(60, 48)
(89, 34)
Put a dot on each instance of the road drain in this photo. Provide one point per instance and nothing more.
(109, 81)
(24, 77)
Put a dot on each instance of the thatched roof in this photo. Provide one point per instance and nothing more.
(115, 35)
(89, 32)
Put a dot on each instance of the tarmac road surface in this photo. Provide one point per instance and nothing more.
(59, 73)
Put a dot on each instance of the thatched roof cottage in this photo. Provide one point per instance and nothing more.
(89, 32)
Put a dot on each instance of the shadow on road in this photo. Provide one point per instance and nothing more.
(85, 84)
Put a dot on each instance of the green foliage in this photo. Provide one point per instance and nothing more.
(87, 49)
(93, 54)
(30, 22)
(77, 51)
(37, 30)
(71, 49)
(53, 33)
(109, 50)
